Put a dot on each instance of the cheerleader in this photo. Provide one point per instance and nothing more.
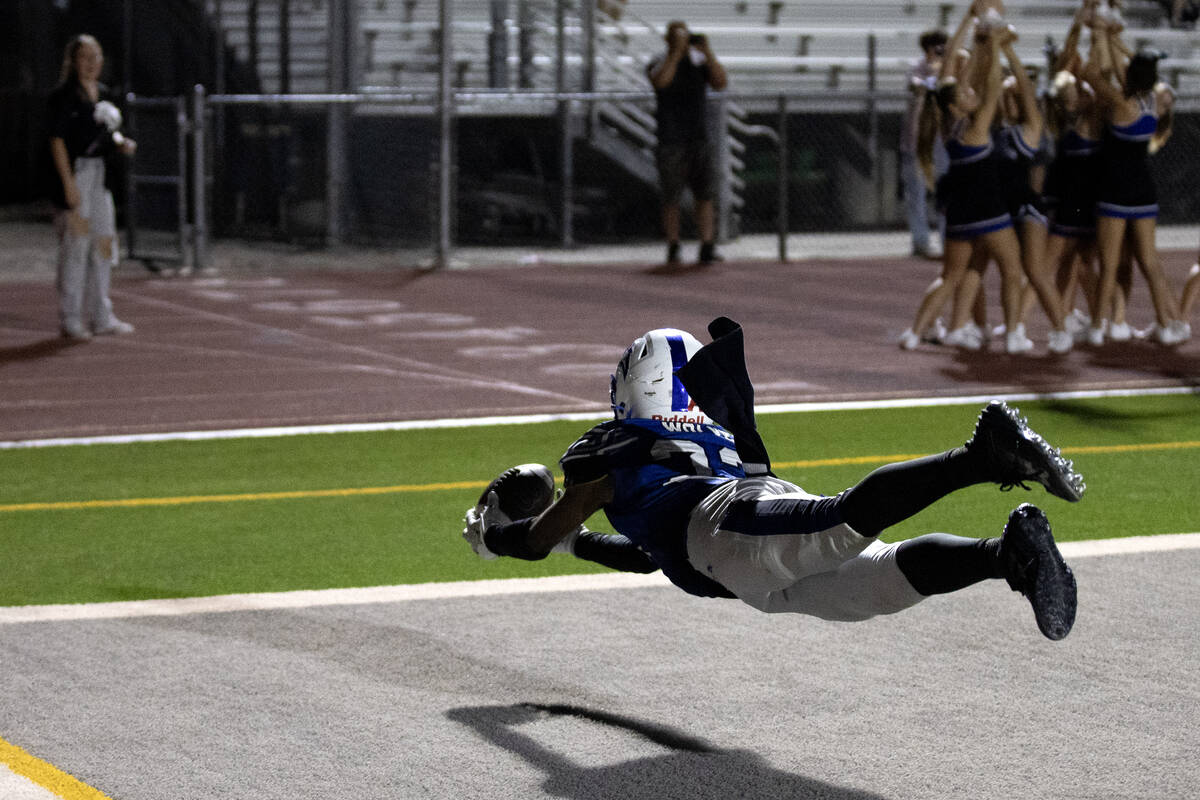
(1018, 145)
(1136, 108)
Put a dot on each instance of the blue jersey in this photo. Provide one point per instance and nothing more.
(660, 471)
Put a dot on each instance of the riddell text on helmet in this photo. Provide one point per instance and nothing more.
(681, 419)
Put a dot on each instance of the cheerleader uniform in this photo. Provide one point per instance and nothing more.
(1071, 186)
(1016, 160)
(1126, 188)
(968, 192)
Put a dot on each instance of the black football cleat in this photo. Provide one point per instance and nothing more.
(1015, 453)
(1034, 567)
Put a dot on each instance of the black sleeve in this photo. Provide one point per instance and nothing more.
(512, 540)
(615, 552)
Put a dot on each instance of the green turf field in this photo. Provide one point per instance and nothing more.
(177, 519)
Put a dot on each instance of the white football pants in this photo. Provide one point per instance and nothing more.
(833, 574)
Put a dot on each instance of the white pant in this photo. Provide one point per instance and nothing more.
(834, 574)
(916, 206)
(84, 272)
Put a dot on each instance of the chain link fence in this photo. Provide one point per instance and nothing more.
(365, 170)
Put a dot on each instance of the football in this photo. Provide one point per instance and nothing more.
(525, 490)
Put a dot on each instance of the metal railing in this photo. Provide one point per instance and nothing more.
(568, 106)
(177, 245)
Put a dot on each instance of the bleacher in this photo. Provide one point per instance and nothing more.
(766, 45)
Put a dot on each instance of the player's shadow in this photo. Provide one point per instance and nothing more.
(693, 768)
(37, 350)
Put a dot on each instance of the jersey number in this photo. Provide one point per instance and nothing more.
(675, 451)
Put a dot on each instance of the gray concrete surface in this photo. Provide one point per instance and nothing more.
(643, 694)
(27, 252)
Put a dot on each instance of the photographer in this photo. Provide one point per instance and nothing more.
(681, 79)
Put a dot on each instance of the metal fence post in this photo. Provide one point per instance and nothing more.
(183, 128)
(199, 181)
(131, 220)
(873, 124)
(783, 178)
(587, 9)
(340, 80)
(567, 168)
(498, 45)
(724, 142)
(566, 151)
(526, 46)
(445, 111)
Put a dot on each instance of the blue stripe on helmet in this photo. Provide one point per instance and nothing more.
(679, 395)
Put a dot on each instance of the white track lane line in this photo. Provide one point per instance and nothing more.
(598, 414)
(484, 588)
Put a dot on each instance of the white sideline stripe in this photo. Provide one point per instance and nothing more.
(486, 588)
(328, 597)
(529, 419)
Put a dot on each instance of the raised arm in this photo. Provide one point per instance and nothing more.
(1099, 71)
(953, 65)
(1069, 54)
(1026, 92)
(662, 73)
(1164, 97)
(717, 78)
(980, 128)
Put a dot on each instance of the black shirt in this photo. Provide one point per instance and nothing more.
(681, 105)
(70, 117)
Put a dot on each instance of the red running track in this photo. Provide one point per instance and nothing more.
(321, 347)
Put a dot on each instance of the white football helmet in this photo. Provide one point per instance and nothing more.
(644, 385)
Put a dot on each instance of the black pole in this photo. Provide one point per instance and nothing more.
(252, 33)
(127, 48)
(783, 178)
(285, 47)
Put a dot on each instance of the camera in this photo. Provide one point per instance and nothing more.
(696, 39)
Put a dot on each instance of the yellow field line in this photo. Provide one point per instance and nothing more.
(46, 775)
(843, 462)
(304, 494)
(143, 502)
(1106, 448)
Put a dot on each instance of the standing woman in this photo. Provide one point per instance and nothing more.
(83, 129)
(1127, 202)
